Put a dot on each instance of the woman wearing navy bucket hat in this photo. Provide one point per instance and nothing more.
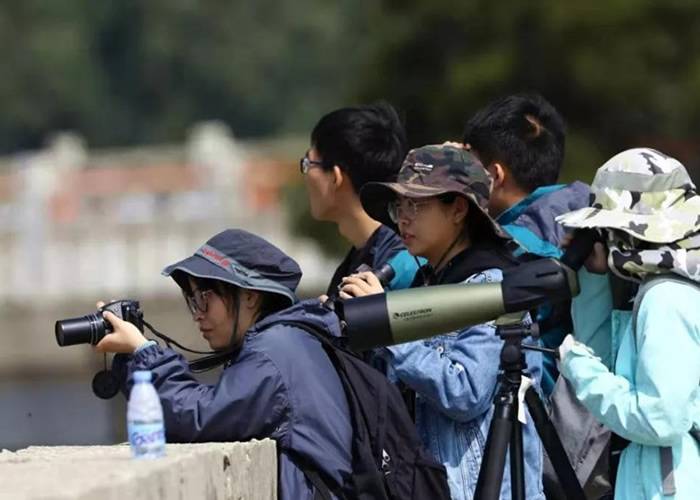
(240, 290)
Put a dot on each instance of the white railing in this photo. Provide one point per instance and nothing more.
(75, 224)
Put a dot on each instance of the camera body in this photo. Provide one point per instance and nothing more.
(91, 328)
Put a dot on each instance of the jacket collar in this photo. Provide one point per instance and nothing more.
(511, 214)
(468, 262)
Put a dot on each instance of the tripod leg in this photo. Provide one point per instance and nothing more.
(555, 450)
(488, 486)
(517, 461)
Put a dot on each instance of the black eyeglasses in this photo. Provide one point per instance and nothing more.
(305, 164)
(197, 301)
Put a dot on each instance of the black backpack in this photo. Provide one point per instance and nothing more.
(388, 459)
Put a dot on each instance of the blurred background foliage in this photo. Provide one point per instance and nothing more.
(623, 73)
(134, 72)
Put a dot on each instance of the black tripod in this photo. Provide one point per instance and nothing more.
(506, 429)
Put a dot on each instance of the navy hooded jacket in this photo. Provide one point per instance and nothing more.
(280, 385)
(531, 222)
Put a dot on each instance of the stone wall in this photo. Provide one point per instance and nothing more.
(226, 471)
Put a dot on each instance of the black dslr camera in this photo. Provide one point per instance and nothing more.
(91, 328)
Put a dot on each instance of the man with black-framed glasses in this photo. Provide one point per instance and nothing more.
(350, 147)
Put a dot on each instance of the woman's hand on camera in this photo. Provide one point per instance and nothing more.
(125, 338)
(597, 261)
(359, 285)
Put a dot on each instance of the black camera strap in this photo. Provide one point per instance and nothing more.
(168, 341)
(206, 363)
(209, 361)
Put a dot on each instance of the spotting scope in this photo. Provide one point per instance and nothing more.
(406, 315)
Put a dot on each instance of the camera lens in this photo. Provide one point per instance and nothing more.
(87, 329)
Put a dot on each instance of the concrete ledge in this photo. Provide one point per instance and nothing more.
(227, 471)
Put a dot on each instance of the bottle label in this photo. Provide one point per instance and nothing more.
(147, 439)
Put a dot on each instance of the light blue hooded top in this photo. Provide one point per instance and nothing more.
(652, 396)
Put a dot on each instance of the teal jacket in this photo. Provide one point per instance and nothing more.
(531, 222)
(652, 396)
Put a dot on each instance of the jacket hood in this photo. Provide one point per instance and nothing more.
(537, 212)
(309, 311)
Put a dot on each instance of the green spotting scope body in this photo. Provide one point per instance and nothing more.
(416, 313)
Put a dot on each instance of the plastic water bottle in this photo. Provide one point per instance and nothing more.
(144, 417)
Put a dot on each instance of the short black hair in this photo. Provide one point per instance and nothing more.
(367, 142)
(524, 132)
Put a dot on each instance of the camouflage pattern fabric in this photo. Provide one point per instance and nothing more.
(644, 193)
(431, 171)
(629, 261)
(650, 210)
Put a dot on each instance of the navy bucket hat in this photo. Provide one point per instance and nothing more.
(241, 259)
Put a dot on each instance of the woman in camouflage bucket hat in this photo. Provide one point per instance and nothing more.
(648, 210)
(438, 205)
(651, 209)
(435, 171)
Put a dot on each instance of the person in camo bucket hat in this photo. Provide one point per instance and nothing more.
(431, 171)
(649, 212)
(438, 204)
(643, 194)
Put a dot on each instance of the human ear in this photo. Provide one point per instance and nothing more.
(338, 176)
(498, 174)
(461, 209)
(251, 299)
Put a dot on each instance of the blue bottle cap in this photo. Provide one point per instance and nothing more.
(142, 376)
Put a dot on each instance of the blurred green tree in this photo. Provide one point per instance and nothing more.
(623, 73)
(133, 72)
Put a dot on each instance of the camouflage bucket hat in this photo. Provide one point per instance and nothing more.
(431, 171)
(644, 193)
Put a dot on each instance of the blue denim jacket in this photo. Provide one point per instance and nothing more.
(454, 376)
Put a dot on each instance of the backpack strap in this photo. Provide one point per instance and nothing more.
(368, 478)
(313, 473)
(695, 432)
(332, 350)
(322, 491)
(665, 452)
